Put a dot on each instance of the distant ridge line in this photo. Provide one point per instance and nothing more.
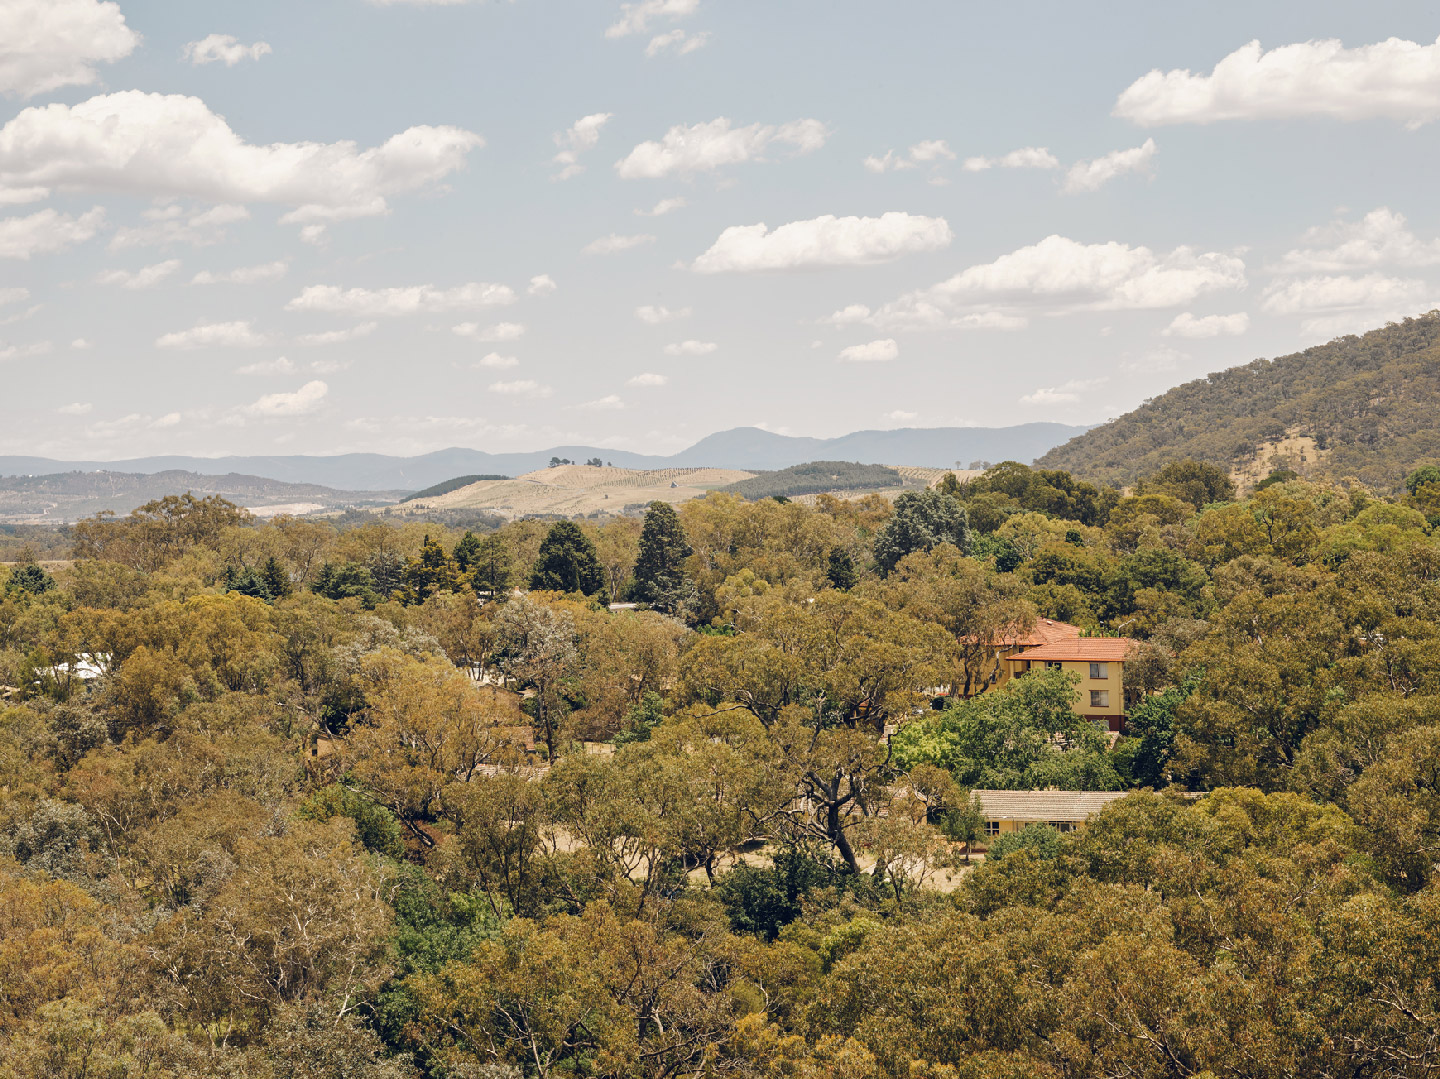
(745, 448)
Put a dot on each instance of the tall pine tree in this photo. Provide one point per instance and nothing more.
(568, 562)
(660, 568)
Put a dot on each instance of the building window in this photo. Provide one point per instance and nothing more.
(1099, 698)
(1099, 670)
(1054, 665)
(992, 828)
(1062, 825)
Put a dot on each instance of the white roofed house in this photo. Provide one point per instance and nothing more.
(1009, 811)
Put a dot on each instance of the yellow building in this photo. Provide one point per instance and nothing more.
(1100, 663)
(1009, 811)
(995, 670)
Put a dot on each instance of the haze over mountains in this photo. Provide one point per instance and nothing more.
(747, 448)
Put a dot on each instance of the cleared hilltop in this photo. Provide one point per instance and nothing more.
(578, 491)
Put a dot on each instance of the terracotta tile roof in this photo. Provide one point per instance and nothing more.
(1045, 631)
(1048, 631)
(1094, 649)
(1044, 805)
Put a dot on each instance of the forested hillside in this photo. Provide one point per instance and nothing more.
(815, 477)
(286, 799)
(1370, 405)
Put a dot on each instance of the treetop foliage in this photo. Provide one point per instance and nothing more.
(358, 798)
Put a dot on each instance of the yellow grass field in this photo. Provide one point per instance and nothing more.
(578, 490)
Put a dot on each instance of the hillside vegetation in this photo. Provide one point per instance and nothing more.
(1358, 406)
(447, 486)
(815, 477)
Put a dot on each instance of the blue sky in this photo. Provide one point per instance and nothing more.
(341, 225)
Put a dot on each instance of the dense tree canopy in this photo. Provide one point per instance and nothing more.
(316, 798)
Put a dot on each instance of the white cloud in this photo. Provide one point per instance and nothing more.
(648, 378)
(1394, 79)
(171, 224)
(848, 316)
(130, 425)
(542, 285)
(932, 150)
(1092, 175)
(636, 18)
(1342, 292)
(278, 366)
(1028, 157)
(14, 352)
(173, 145)
(224, 48)
(495, 360)
(1060, 275)
(501, 331)
(213, 335)
(676, 41)
(80, 344)
(582, 135)
(338, 337)
(315, 235)
(1153, 361)
(823, 242)
(607, 403)
(308, 398)
(47, 44)
(243, 275)
(874, 352)
(75, 408)
(691, 348)
(1187, 325)
(46, 231)
(19, 316)
(397, 302)
(609, 245)
(707, 146)
(1380, 238)
(1340, 304)
(13, 295)
(141, 278)
(900, 416)
(663, 207)
(655, 315)
(1063, 394)
(922, 153)
(524, 387)
(326, 367)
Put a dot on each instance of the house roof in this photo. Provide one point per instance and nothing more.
(1044, 631)
(1044, 805)
(1049, 631)
(1095, 649)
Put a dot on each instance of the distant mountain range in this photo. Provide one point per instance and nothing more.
(68, 496)
(747, 448)
(1366, 406)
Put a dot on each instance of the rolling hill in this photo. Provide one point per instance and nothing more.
(1366, 406)
(577, 491)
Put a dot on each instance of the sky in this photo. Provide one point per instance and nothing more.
(397, 226)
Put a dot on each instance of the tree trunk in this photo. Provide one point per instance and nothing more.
(838, 837)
